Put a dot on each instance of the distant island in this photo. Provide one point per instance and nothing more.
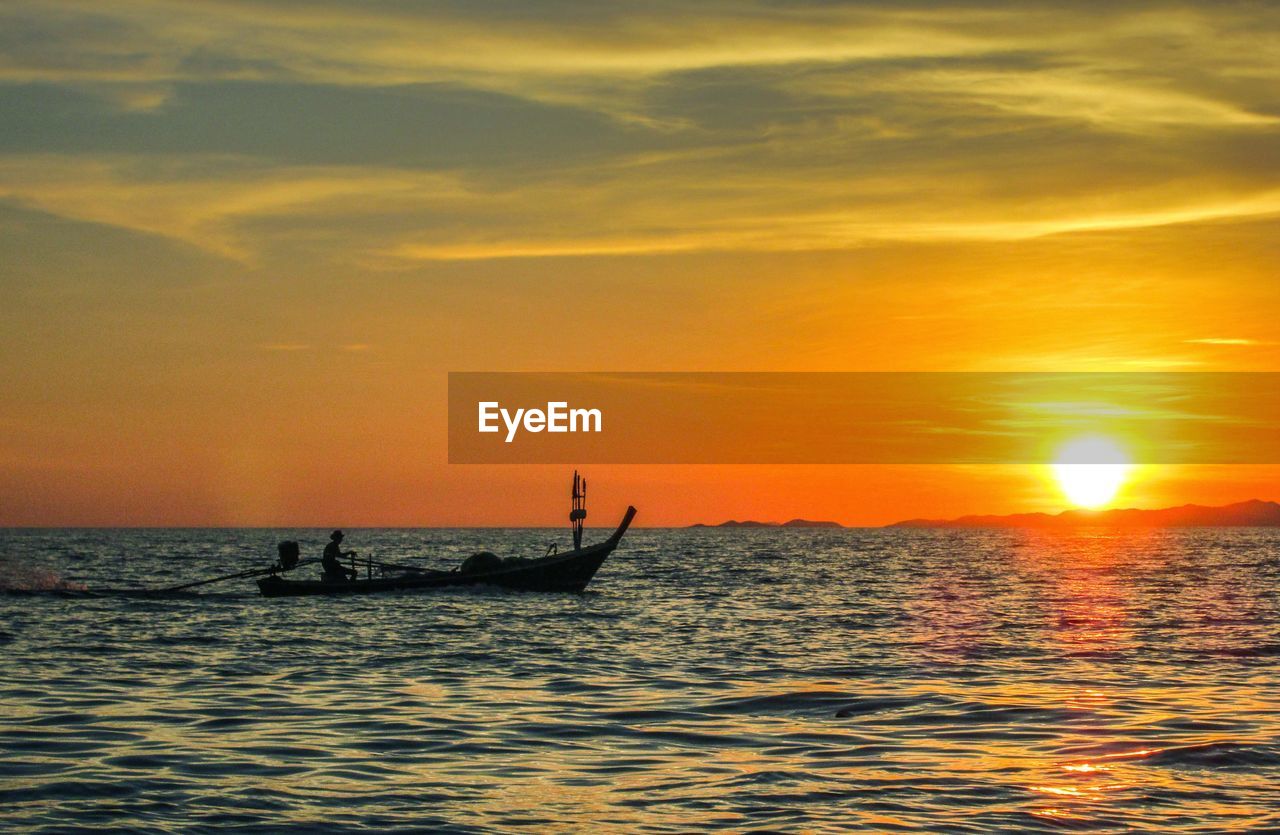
(749, 523)
(1253, 513)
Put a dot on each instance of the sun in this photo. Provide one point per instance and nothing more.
(1090, 470)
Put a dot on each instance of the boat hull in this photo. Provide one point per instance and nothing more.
(570, 571)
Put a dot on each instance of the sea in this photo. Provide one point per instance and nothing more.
(775, 680)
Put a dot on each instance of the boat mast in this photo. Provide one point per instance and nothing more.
(579, 511)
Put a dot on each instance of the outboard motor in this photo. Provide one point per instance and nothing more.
(289, 552)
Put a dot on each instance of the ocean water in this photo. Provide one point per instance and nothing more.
(748, 681)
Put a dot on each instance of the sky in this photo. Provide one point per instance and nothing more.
(243, 243)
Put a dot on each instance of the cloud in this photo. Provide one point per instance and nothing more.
(239, 209)
(390, 133)
(385, 43)
(206, 202)
(1085, 95)
(605, 56)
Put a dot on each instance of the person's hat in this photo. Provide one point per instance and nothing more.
(336, 535)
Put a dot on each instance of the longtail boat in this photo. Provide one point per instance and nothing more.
(566, 571)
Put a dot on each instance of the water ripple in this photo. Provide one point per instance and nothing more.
(746, 681)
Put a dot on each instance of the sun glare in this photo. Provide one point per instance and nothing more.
(1091, 470)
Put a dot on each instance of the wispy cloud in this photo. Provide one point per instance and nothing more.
(206, 202)
(387, 133)
(389, 215)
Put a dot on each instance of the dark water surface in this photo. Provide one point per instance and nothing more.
(741, 680)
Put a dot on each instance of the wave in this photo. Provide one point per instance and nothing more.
(1253, 651)
(1218, 755)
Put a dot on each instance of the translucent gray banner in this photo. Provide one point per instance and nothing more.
(863, 418)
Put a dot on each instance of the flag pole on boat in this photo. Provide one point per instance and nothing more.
(579, 511)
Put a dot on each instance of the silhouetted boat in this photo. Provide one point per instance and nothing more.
(570, 571)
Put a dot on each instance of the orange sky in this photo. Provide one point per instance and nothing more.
(243, 243)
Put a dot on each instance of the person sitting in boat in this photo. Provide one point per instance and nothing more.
(333, 557)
